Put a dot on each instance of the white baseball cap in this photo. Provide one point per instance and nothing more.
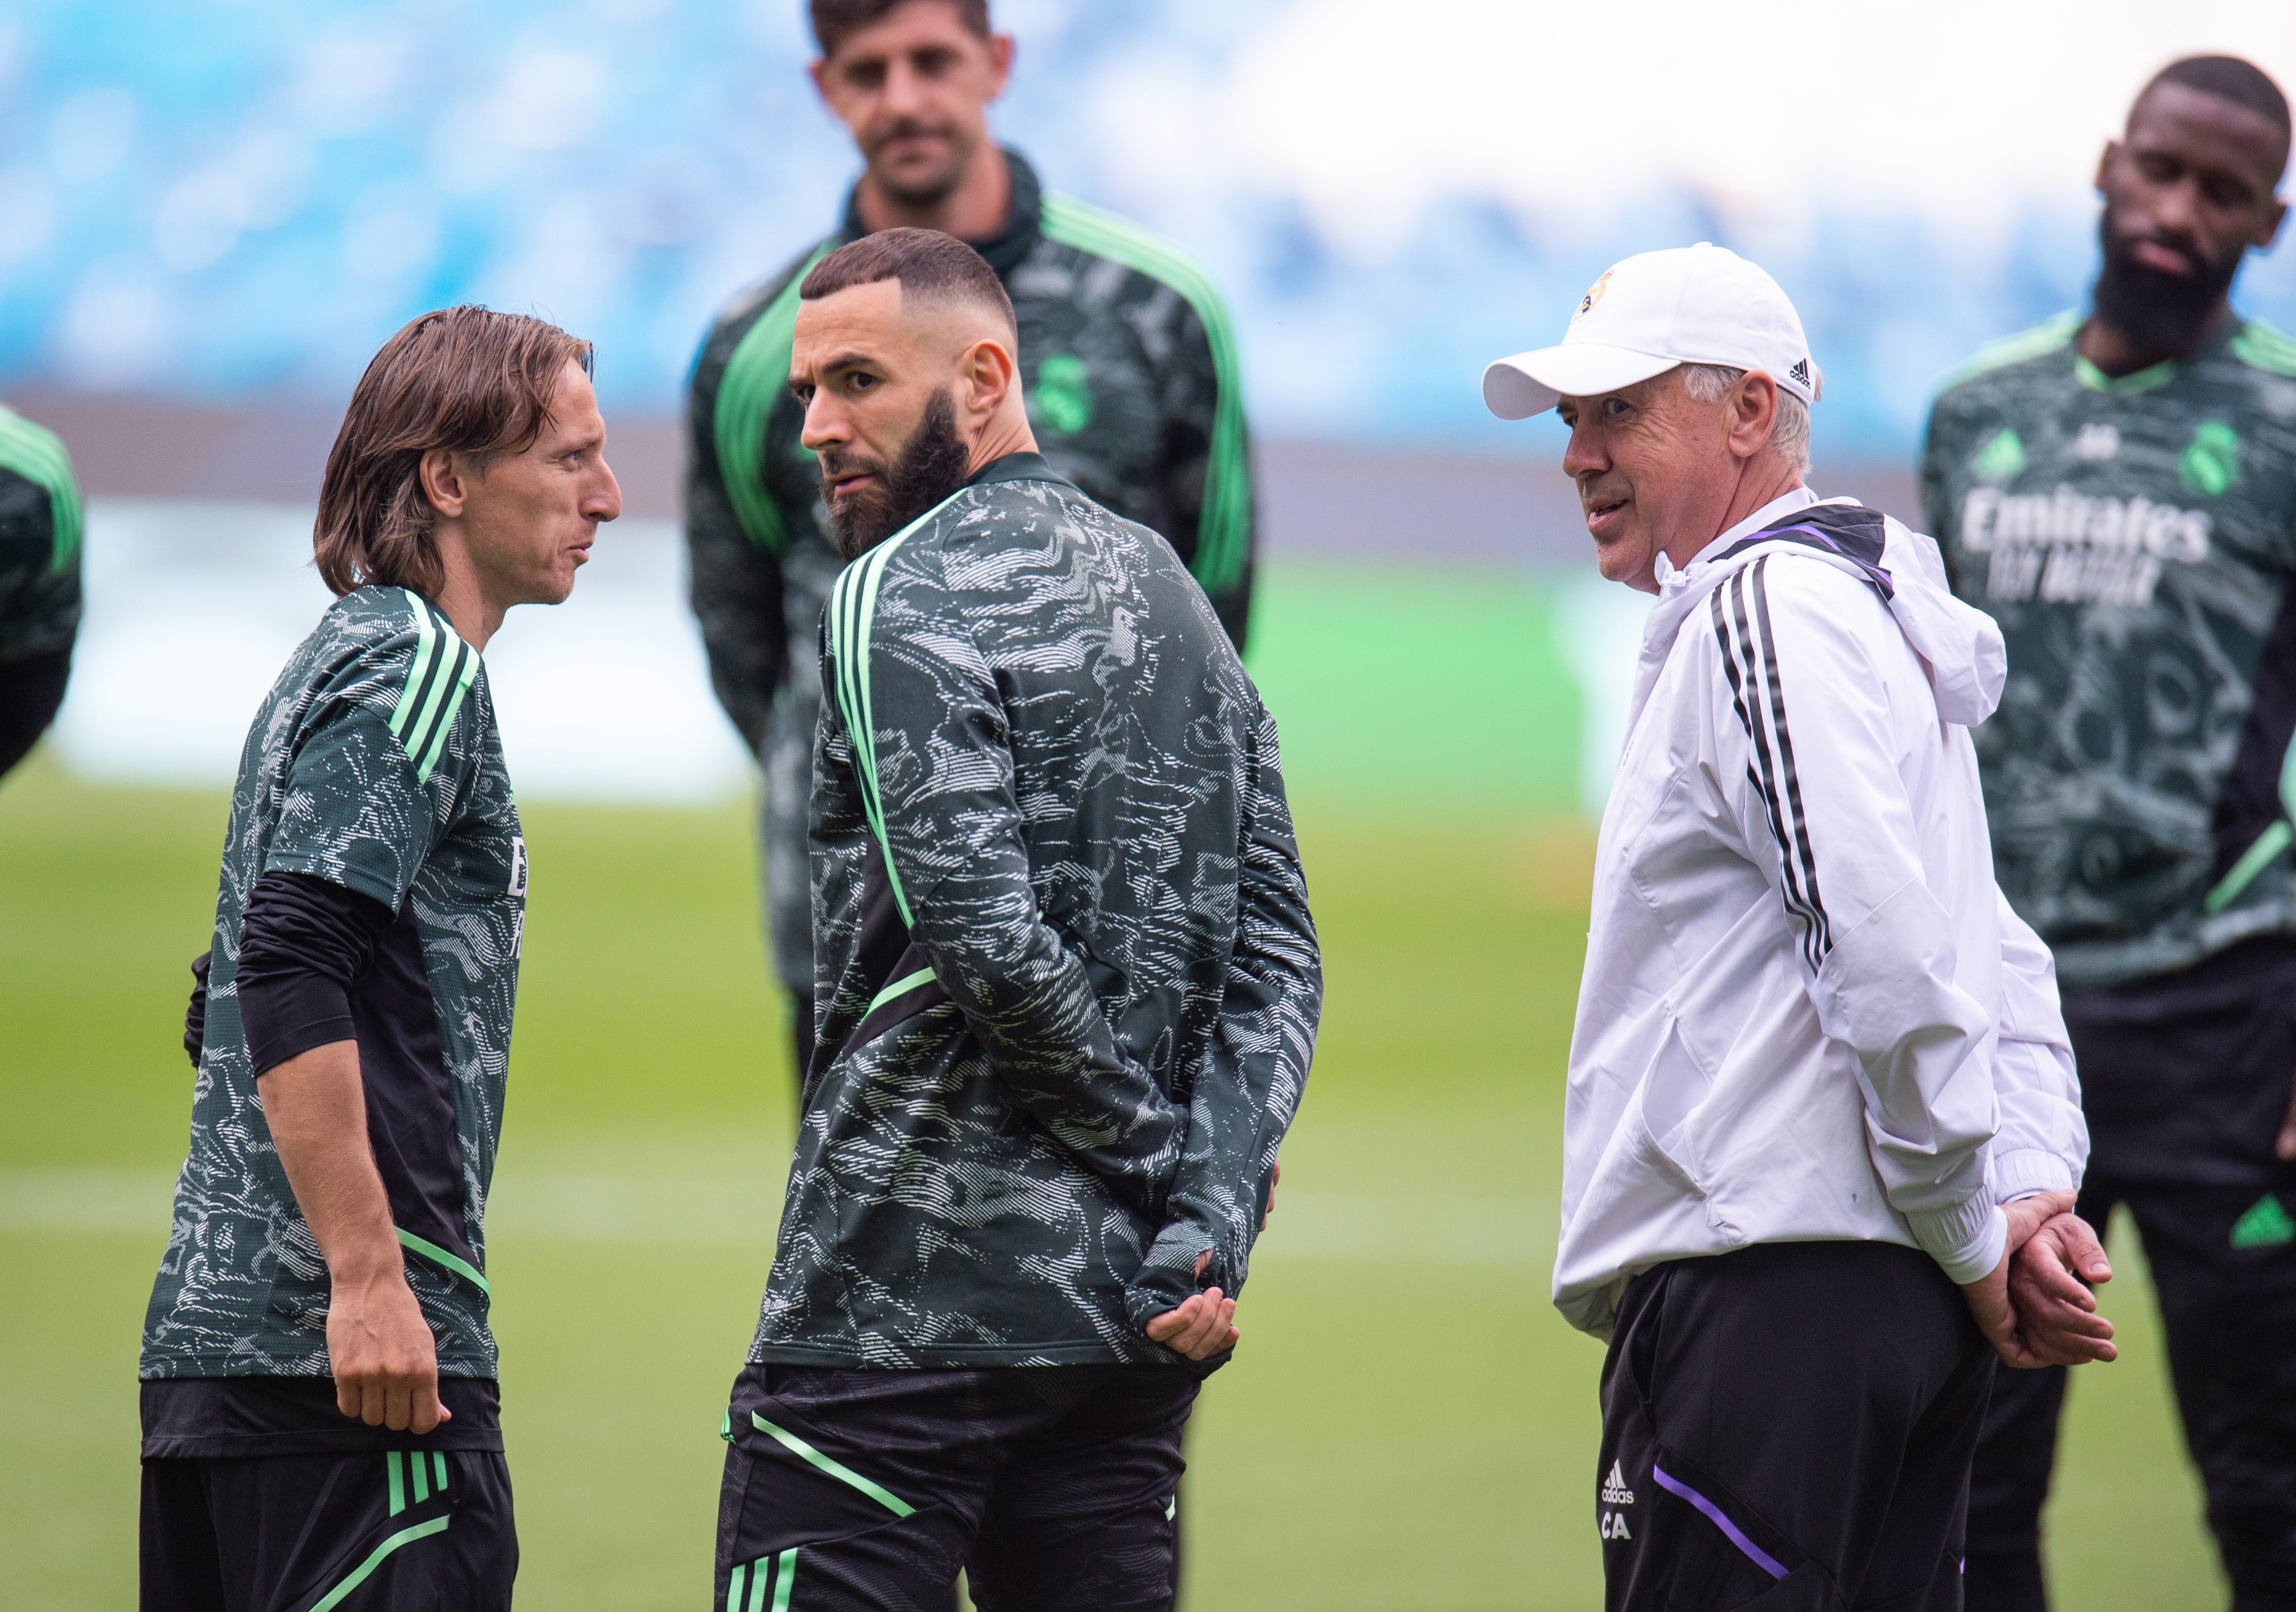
(1701, 304)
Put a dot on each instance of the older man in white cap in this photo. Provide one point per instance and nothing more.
(1820, 1090)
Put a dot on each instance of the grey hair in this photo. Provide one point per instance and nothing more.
(1706, 382)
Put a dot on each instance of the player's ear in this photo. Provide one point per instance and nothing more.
(1001, 49)
(817, 69)
(2275, 214)
(990, 375)
(442, 482)
(2104, 164)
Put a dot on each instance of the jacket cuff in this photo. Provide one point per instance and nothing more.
(1967, 1240)
(1168, 1274)
(2028, 1171)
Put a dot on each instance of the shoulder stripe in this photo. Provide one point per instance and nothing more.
(852, 613)
(2042, 338)
(38, 454)
(755, 377)
(2261, 346)
(1750, 661)
(1224, 530)
(439, 676)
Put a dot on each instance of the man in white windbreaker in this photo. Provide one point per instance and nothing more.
(1823, 1131)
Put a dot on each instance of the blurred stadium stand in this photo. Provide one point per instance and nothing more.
(233, 205)
(1317, 499)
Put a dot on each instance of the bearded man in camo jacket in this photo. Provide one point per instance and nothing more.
(1067, 990)
(1126, 361)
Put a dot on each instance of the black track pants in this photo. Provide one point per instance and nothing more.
(1787, 1428)
(1051, 1487)
(413, 1531)
(2224, 1262)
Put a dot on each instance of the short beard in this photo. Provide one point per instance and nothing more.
(2159, 311)
(932, 464)
(934, 189)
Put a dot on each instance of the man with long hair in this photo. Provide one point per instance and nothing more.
(319, 1402)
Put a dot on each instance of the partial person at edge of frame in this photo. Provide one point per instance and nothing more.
(1820, 1101)
(1126, 355)
(40, 520)
(320, 1407)
(2119, 491)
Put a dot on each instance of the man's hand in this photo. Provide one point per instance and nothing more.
(385, 1362)
(1989, 1294)
(1203, 1326)
(2049, 1281)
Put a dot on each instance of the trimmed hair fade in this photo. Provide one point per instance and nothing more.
(834, 19)
(465, 379)
(930, 267)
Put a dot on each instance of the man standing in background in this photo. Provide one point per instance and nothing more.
(2120, 493)
(40, 581)
(1127, 360)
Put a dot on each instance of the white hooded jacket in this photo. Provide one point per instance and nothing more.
(1806, 1013)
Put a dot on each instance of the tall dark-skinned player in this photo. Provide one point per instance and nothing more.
(1126, 355)
(2119, 490)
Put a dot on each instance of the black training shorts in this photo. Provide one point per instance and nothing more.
(1051, 1487)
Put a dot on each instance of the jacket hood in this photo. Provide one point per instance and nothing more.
(1960, 647)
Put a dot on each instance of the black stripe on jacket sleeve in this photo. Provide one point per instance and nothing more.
(1750, 661)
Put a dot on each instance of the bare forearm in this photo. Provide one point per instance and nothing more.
(378, 1345)
(316, 1110)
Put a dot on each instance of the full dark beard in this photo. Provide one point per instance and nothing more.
(2159, 312)
(932, 463)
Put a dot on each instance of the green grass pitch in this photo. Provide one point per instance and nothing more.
(1408, 1423)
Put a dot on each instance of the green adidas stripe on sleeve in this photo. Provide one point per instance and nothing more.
(441, 674)
(2048, 338)
(2262, 346)
(755, 378)
(1224, 530)
(899, 988)
(38, 454)
(852, 611)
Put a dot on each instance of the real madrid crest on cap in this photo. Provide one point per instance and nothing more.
(1594, 295)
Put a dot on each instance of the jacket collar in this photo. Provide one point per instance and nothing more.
(1017, 466)
(1004, 251)
(1960, 647)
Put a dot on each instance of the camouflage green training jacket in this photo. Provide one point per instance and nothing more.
(1129, 368)
(1067, 982)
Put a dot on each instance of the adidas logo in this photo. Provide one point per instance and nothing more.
(1615, 1492)
(1800, 371)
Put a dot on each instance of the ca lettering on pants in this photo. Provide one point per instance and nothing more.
(1616, 1497)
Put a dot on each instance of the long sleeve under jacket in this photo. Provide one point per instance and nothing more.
(1068, 986)
(1808, 1013)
